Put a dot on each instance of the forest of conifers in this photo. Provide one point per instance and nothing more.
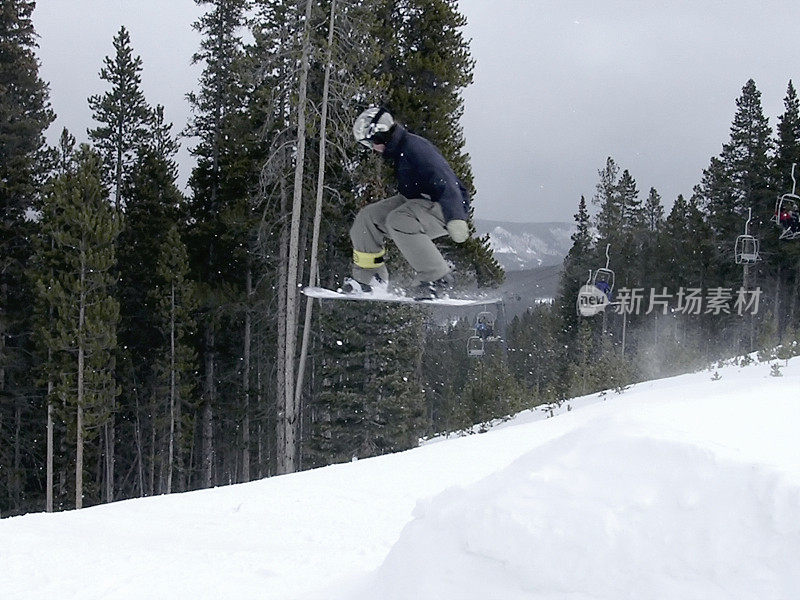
(153, 340)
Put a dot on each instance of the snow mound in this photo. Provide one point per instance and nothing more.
(609, 511)
(685, 488)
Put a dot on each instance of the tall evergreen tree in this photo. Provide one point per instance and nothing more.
(24, 116)
(83, 228)
(175, 364)
(748, 154)
(653, 211)
(122, 113)
(154, 205)
(216, 186)
(369, 402)
(579, 260)
(632, 209)
(786, 257)
(610, 218)
(788, 143)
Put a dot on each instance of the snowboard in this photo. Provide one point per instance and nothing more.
(386, 296)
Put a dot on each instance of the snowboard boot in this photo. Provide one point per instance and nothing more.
(430, 290)
(351, 286)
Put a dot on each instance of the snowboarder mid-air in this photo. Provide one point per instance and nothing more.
(431, 203)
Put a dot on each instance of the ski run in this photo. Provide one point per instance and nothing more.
(682, 488)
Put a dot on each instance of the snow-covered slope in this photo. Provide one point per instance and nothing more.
(681, 488)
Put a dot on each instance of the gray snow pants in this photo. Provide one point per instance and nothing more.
(412, 225)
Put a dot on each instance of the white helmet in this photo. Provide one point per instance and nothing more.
(370, 124)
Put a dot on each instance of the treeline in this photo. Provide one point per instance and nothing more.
(683, 302)
(155, 341)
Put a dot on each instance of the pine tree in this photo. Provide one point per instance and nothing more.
(175, 363)
(122, 113)
(748, 154)
(24, 116)
(445, 366)
(154, 205)
(676, 239)
(738, 180)
(788, 144)
(734, 183)
(83, 229)
(628, 251)
(536, 355)
(577, 264)
(491, 393)
(369, 403)
(632, 210)
(216, 186)
(610, 219)
(653, 211)
(786, 257)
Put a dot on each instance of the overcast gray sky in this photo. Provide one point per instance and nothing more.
(559, 85)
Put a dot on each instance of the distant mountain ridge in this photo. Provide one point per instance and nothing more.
(522, 246)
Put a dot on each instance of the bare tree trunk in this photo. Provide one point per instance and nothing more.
(246, 375)
(262, 412)
(139, 449)
(283, 253)
(3, 300)
(287, 458)
(171, 442)
(49, 492)
(312, 275)
(793, 298)
(208, 413)
(3, 303)
(17, 468)
(79, 460)
(109, 433)
(118, 178)
(151, 475)
(778, 293)
(81, 359)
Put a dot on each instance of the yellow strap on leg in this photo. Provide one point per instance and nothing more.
(368, 260)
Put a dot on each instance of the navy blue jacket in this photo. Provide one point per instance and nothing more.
(422, 171)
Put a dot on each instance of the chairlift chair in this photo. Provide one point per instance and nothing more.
(603, 278)
(787, 212)
(475, 346)
(787, 215)
(747, 248)
(484, 325)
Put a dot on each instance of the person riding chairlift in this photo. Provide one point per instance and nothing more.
(789, 220)
(484, 328)
(604, 287)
